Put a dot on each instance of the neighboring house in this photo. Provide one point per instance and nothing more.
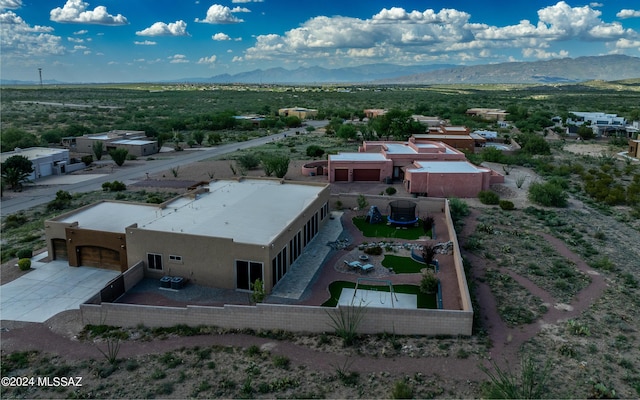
(300, 112)
(487, 134)
(601, 123)
(491, 114)
(634, 148)
(374, 112)
(425, 167)
(45, 161)
(135, 142)
(428, 121)
(457, 137)
(226, 234)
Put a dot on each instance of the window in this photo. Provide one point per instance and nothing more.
(154, 261)
(175, 259)
(247, 272)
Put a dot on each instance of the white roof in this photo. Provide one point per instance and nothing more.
(247, 211)
(446, 167)
(397, 148)
(134, 142)
(32, 153)
(357, 157)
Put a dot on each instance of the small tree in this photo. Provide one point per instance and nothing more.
(258, 294)
(248, 161)
(548, 194)
(98, 149)
(276, 164)
(16, 170)
(362, 202)
(87, 160)
(429, 282)
(119, 155)
(314, 151)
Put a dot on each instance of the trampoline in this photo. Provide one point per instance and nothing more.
(402, 212)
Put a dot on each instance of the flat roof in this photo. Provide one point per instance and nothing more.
(436, 136)
(357, 157)
(446, 167)
(397, 148)
(247, 211)
(136, 142)
(32, 153)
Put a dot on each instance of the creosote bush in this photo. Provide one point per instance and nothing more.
(506, 205)
(488, 197)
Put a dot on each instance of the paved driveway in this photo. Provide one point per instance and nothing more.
(51, 288)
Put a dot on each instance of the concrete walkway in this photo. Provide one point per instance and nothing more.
(51, 288)
(303, 270)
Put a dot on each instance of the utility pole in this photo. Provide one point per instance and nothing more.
(40, 72)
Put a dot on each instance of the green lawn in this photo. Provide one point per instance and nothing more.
(403, 265)
(382, 230)
(424, 300)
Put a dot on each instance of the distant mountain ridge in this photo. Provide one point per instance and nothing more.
(607, 68)
(565, 70)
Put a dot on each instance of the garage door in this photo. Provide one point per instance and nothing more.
(59, 249)
(46, 169)
(360, 175)
(100, 257)
(342, 175)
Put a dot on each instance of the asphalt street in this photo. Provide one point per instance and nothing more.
(10, 206)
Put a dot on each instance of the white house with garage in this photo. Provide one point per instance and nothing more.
(45, 161)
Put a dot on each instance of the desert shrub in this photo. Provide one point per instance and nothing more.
(314, 151)
(119, 155)
(374, 251)
(548, 194)
(506, 205)
(248, 161)
(87, 160)
(427, 223)
(15, 221)
(429, 282)
(401, 390)
(390, 190)
(459, 209)
(488, 197)
(115, 186)
(25, 253)
(24, 264)
(62, 201)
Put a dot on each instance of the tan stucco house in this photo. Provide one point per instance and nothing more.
(226, 234)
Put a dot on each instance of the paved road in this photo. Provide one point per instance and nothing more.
(45, 195)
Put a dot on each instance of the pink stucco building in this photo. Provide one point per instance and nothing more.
(425, 167)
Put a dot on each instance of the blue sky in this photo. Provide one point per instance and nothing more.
(153, 40)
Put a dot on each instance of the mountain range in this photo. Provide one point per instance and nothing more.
(565, 70)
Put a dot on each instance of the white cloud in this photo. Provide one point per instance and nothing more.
(10, 4)
(240, 9)
(247, 1)
(20, 40)
(81, 32)
(237, 59)
(75, 11)
(626, 13)
(217, 14)
(75, 40)
(145, 43)
(594, 4)
(628, 44)
(220, 36)
(178, 28)
(207, 60)
(404, 36)
(178, 59)
(541, 54)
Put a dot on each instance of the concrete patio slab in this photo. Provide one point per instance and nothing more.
(51, 288)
